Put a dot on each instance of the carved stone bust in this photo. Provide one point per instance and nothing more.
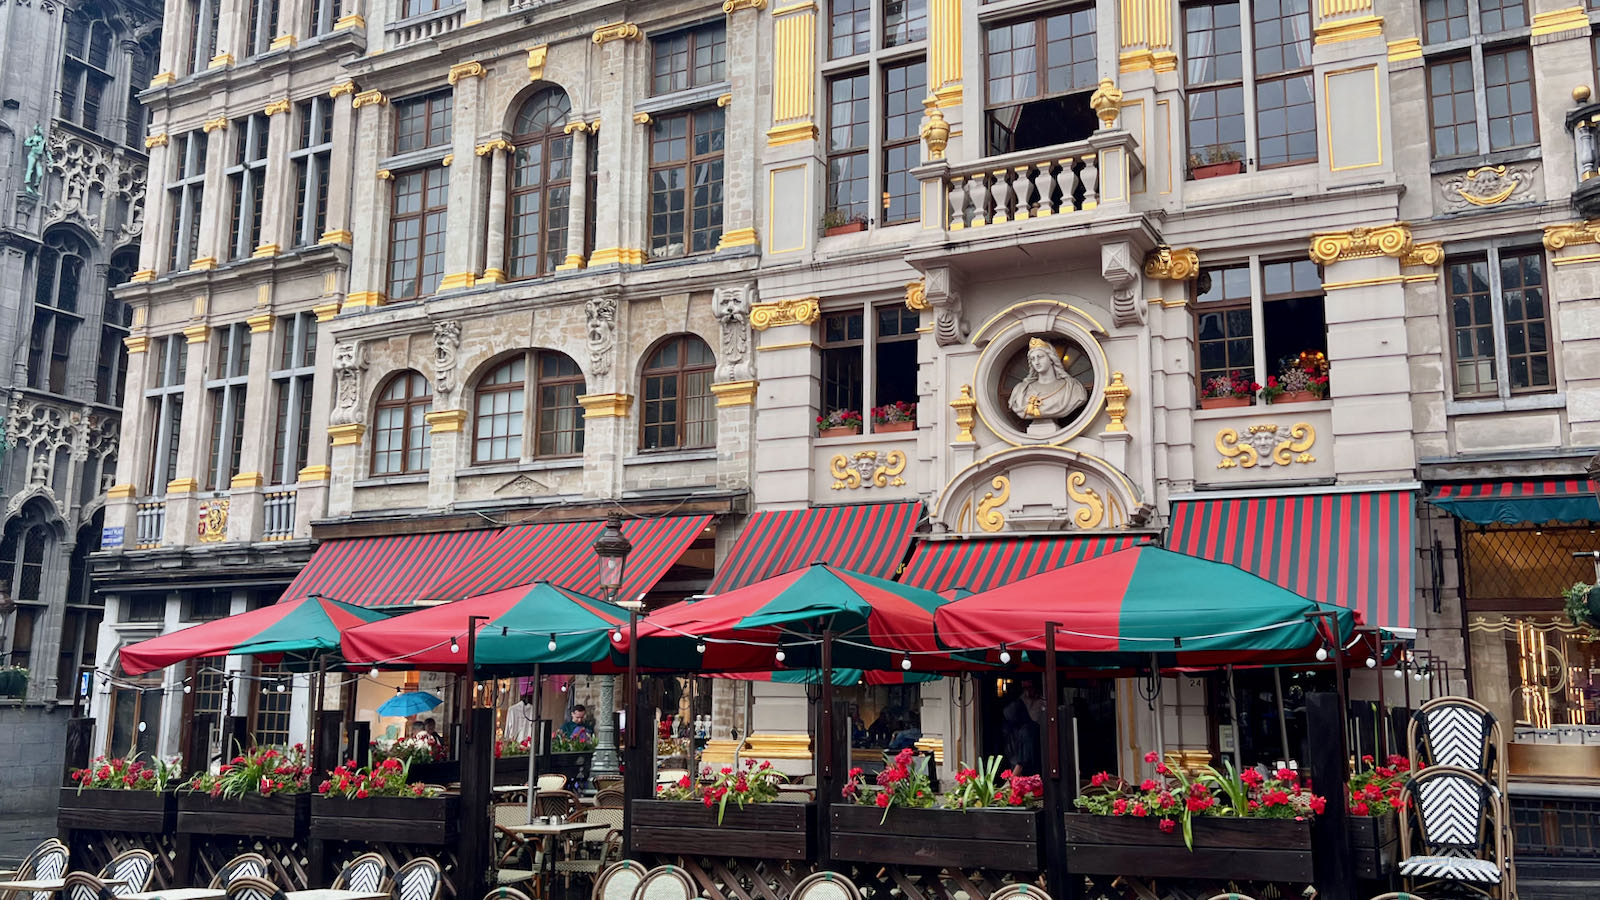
(1048, 391)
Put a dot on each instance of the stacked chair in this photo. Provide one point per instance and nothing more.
(48, 861)
(1456, 832)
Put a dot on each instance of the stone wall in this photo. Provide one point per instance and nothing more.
(32, 744)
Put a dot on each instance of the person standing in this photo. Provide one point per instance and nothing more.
(520, 719)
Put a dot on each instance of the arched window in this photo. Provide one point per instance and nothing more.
(678, 410)
(502, 407)
(541, 185)
(23, 553)
(402, 442)
(55, 311)
(111, 368)
(140, 71)
(85, 69)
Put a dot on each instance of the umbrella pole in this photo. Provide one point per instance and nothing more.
(1283, 722)
(1233, 712)
(1155, 704)
(533, 745)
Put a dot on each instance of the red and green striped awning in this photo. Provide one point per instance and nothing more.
(1350, 549)
(392, 570)
(869, 538)
(981, 564)
(563, 554)
(1536, 500)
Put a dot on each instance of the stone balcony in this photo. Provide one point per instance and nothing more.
(1583, 123)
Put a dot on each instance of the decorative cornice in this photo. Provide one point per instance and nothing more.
(792, 133)
(121, 492)
(182, 486)
(501, 144)
(917, 296)
(314, 473)
(1556, 21)
(1348, 29)
(536, 57)
(797, 311)
(163, 79)
(339, 90)
(196, 334)
(346, 435)
(220, 60)
(368, 98)
(136, 343)
(469, 69)
(1557, 237)
(735, 393)
(1358, 243)
(143, 276)
(1429, 254)
(1405, 49)
(340, 236)
(350, 20)
(155, 140)
(616, 31)
(326, 311)
(247, 480)
(605, 406)
(203, 264)
(262, 323)
(283, 41)
(445, 421)
(265, 251)
(1167, 264)
(732, 6)
(276, 106)
(739, 237)
(220, 123)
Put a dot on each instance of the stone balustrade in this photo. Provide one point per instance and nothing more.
(1063, 179)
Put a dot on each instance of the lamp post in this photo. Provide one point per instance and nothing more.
(612, 548)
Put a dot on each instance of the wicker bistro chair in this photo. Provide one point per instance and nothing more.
(251, 887)
(618, 881)
(505, 893)
(552, 782)
(133, 868)
(607, 782)
(610, 798)
(666, 883)
(48, 861)
(368, 873)
(1461, 732)
(83, 886)
(580, 862)
(1460, 838)
(1031, 892)
(833, 886)
(418, 879)
(510, 846)
(555, 803)
(245, 865)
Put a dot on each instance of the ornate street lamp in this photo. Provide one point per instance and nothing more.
(612, 548)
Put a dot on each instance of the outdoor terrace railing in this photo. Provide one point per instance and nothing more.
(277, 515)
(1034, 184)
(150, 522)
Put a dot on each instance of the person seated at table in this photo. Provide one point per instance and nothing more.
(858, 731)
(905, 736)
(578, 722)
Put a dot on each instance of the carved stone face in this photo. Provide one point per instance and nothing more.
(1263, 442)
(1040, 360)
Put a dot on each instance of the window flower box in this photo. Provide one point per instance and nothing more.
(842, 431)
(144, 812)
(405, 820)
(278, 815)
(1295, 397)
(778, 830)
(988, 838)
(1224, 402)
(1214, 170)
(1225, 848)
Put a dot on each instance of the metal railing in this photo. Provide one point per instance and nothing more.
(277, 515)
(150, 518)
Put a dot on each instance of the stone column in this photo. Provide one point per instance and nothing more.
(742, 126)
(372, 194)
(192, 445)
(450, 451)
(213, 241)
(494, 253)
(346, 428)
(231, 23)
(340, 161)
(311, 494)
(578, 200)
(157, 209)
(735, 385)
(277, 213)
(615, 219)
(134, 440)
(291, 13)
(462, 245)
(607, 405)
(245, 496)
(175, 41)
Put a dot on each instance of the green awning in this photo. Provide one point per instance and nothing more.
(1511, 502)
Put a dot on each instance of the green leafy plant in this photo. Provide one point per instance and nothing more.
(752, 784)
(893, 413)
(1213, 154)
(386, 778)
(1581, 601)
(581, 740)
(904, 782)
(986, 785)
(839, 418)
(260, 770)
(110, 773)
(512, 748)
(418, 748)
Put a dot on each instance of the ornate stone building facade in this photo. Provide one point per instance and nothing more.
(72, 192)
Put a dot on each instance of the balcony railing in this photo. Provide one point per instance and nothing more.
(1583, 124)
(425, 26)
(150, 522)
(1034, 184)
(277, 515)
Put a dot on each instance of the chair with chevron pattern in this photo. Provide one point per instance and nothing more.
(418, 879)
(47, 862)
(245, 865)
(132, 869)
(250, 887)
(1452, 834)
(367, 873)
(1461, 732)
(83, 886)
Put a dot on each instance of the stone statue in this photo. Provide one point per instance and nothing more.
(38, 158)
(1048, 392)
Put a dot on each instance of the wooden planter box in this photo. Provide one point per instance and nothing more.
(146, 812)
(573, 765)
(402, 820)
(441, 773)
(1000, 839)
(1225, 849)
(1375, 842)
(1225, 402)
(281, 815)
(762, 830)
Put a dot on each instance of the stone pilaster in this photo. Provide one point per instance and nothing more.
(578, 208)
(450, 431)
(340, 161)
(742, 136)
(348, 442)
(463, 246)
(372, 196)
(619, 221)
(255, 457)
(212, 244)
(277, 213)
(175, 40)
(193, 443)
(157, 209)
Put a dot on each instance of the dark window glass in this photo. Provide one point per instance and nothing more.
(417, 232)
(401, 439)
(497, 429)
(423, 122)
(541, 186)
(1224, 331)
(849, 136)
(849, 27)
(1508, 91)
(690, 58)
(679, 409)
(558, 418)
(686, 183)
(1452, 106)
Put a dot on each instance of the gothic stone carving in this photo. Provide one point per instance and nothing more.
(446, 346)
(601, 313)
(130, 188)
(349, 361)
(732, 308)
(84, 168)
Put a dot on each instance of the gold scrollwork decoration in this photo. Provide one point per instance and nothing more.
(616, 31)
(1167, 264)
(1557, 237)
(988, 516)
(1359, 243)
(1429, 254)
(1301, 437)
(1093, 510)
(800, 311)
(213, 525)
(867, 469)
(1266, 445)
(917, 296)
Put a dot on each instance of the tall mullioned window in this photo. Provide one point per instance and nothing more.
(1247, 66)
(1041, 73)
(293, 388)
(185, 195)
(1257, 318)
(311, 158)
(678, 407)
(421, 197)
(247, 183)
(541, 185)
(225, 389)
(169, 357)
(86, 69)
(876, 81)
(1499, 322)
(686, 171)
(401, 440)
(111, 366)
(1480, 76)
(56, 317)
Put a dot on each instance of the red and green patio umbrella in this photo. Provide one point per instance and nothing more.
(1120, 608)
(516, 629)
(301, 628)
(877, 623)
(841, 677)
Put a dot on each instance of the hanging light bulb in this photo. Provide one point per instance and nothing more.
(1005, 656)
(282, 686)
(552, 644)
(1372, 662)
(700, 646)
(187, 688)
(780, 656)
(616, 637)
(374, 672)
(905, 662)
(454, 647)
(1322, 654)
(1399, 671)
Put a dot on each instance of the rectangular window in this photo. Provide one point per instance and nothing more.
(849, 130)
(422, 7)
(559, 424)
(292, 385)
(686, 183)
(169, 355)
(875, 113)
(86, 70)
(849, 28)
(226, 389)
(887, 375)
(140, 71)
(202, 34)
(1472, 52)
(273, 703)
(111, 366)
(1262, 322)
(1499, 322)
(904, 22)
(247, 183)
(311, 158)
(185, 190)
(694, 57)
(263, 26)
(323, 14)
(904, 86)
(416, 232)
(423, 122)
(1041, 73)
(1250, 90)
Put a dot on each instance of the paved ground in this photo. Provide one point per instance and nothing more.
(19, 834)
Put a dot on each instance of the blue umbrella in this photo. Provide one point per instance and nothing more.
(408, 704)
